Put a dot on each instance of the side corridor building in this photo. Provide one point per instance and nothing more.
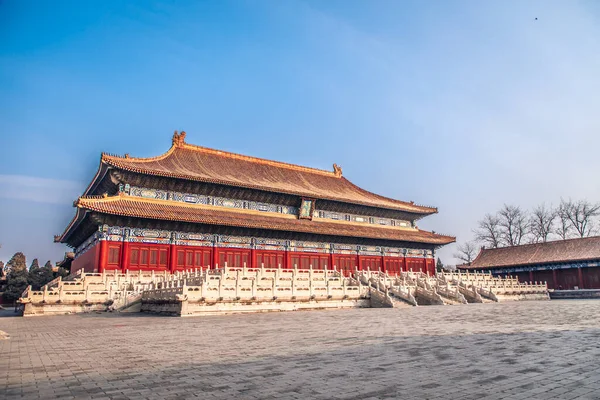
(564, 264)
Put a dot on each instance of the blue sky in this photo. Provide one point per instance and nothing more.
(464, 105)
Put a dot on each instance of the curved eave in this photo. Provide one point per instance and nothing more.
(164, 210)
(103, 169)
(75, 222)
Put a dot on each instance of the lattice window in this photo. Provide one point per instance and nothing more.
(113, 255)
(135, 256)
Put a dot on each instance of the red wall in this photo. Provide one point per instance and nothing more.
(88, 261)
(188, 257)
(113, 256)
(269, 258)
(416, 264)
(305, 260)
(164, 257)
(591, 277)
(584, 278)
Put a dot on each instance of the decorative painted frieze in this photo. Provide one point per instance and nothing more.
(148, 193)
(415, 253)
(240, 242)
(369, 251)
(309, 247)
(154, 236)
(270, 244)
(344, 249)
(192, 198)
(361, 219)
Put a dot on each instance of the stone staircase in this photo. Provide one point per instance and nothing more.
(241, 289)
(488, 288)
(88, 292)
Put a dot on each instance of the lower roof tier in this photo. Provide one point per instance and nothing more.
(135, 207)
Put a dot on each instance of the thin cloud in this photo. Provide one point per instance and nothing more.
(40, 190)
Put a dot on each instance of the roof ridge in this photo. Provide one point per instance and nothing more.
(264, 161)
(179, 142)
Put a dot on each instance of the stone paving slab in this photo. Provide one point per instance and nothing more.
(525, 350)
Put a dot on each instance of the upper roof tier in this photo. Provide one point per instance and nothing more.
(190, 162)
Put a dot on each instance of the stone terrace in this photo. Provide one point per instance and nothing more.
(539, 350)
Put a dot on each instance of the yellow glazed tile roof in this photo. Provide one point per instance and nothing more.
(190, 162)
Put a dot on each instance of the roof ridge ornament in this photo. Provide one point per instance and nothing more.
(178, 138)
(337, 170)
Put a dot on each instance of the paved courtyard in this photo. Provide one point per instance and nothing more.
(539, 350)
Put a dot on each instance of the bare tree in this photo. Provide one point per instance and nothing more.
(489, 231)
(466, 252)
(580, 214)
(541, 223)
(564, 227)
(514, 224)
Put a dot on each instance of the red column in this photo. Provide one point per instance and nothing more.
(172, 257)
(530, 276)
(580, 276)
(252, 258)
(383, 264)
(215, 256)
(330, 261)
(554, 280)
(102, 257)
(125, 256)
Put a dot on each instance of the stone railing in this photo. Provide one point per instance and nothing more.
(67, 296)
(427, 296)
(53, 283)
(469, 292)
(476, 278)
(486, 292)
(404, 293)
(451, 293)
(380, 299)
(255, 284)
(521, 288)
